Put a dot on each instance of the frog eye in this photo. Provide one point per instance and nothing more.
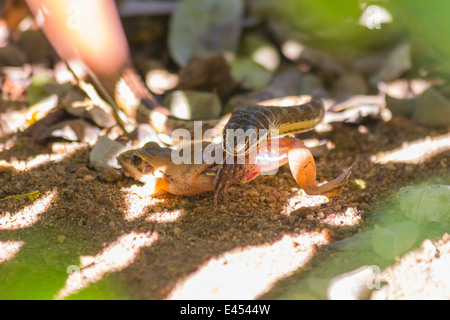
(135, 160)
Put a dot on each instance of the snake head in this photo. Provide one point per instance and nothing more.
(245, 129)
(237, 138)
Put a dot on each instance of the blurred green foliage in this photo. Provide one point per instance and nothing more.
(428, 26)
(346, 30)
(333, 27)
(330, 26)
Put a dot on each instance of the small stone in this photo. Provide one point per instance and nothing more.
(176, 232)
(82, 171)
(88, 178)
(61, 239)
(390, 166)
(359, 183)
(60, 169)
(110, 175)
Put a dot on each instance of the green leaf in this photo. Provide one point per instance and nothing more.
(391, 241)
(424, 204)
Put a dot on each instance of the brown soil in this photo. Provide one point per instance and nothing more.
(122, 244)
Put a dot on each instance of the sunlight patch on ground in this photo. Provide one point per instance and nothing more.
(165, 216)
(415, 152)
(63, 151)
(302, 200)
(138, 202)
(40, 159)
(350, 217)
(8, 249)
(246, 273)
(115, 257)
(29, 215)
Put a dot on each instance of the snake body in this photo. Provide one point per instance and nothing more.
(268, 120)
(276, 117)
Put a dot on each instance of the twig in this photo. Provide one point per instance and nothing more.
(32, 196)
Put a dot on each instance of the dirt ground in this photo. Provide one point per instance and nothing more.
(89, 239)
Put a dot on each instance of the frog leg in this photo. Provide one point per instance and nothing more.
(303, 168)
